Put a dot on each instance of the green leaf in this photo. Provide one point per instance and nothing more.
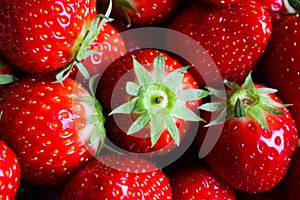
(248, 84)
(267, 100)
(139, 123)
(91, 84)
(126, 108)
(232, 85)
(265, 90)
(218, 93)
(132, 88)
(270, 110)
(93, 119)
(173, 130)
(6, 79)
(213, 106)
(256, 113)
(174, 79)
(88, 99)
(64, 73)
(157, 125)
(83, 70)
(192, 94)
(159, 68)
(221, 118)
(141, 73)
(239, 110)
(182, 112)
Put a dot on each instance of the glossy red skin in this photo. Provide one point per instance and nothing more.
(109, 45)
(41, 37)
(196, 181)
(234, 36)
(113, 82)
(250, 158)
(9, 172)
(273, 194)
(40, 123)
(97, 180)
(292, 180)
(152, 12)
(221, 2)
(281, 64)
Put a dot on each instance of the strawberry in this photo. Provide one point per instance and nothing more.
(257, 139)
(196, 181)
(143, 13)
(10, 172)
(159, 95)
(41, 37)
(118, 177)
(291, 184)
(53, 129)
(221, 2)
(280, 65)
(108, 45)
(234, 36)
(7, 71)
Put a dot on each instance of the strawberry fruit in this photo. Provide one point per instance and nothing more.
(157, 93)
(39, 37)
(118, 177)
(53, 129)
(258, 137)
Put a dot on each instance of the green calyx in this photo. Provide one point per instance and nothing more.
(157, 100)
(243, 101)
(84, 50)
(295, 4)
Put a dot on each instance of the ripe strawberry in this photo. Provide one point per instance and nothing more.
(234, 36)
(280, 65)
(292, 180)
(50, 127)
(143, 13)
(196, 181)
(118, 177)
(7, 71)
(108, 45)
(257, 139)
(160, 95)
(9, 172)
(41, 37)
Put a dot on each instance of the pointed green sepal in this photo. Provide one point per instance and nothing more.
(182, 112)
(192, 94)
(126, 108)
(133, 89)
(233, 86)
(143, 76)
(139, 123)
(6, 79)
(157, 125)
(239, 110)
(175, 78)
(173, 130)
(218, 93)
(159, 68)
(257, 114)
(213, 106)
(248, 84)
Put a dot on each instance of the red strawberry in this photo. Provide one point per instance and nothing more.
(41, 37)
(7, 71)
(143, 13)
(48, 126)
(280, 66)
(234, 36)
(257, 139)
(9, 172)
(118, 177)
(196, 181)
(292, 180)
(161, 98)
(108, 45)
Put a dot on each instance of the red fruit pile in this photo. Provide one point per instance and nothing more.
(88, 111)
